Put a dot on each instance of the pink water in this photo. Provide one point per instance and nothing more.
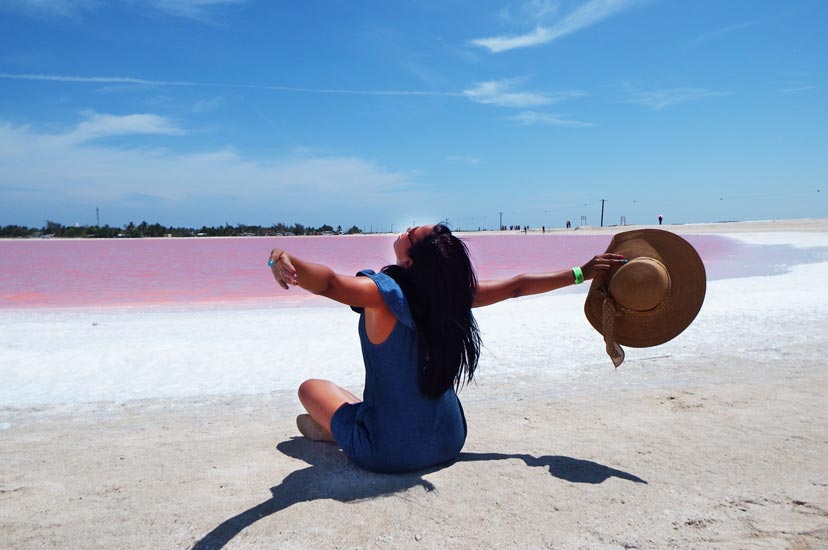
(137, 272)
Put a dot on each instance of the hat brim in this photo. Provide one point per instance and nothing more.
(688, 284)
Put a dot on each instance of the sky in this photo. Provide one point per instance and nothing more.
(388, 114)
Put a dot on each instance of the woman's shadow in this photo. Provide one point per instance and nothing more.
(332, 476)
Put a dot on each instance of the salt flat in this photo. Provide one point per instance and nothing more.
(174, 429)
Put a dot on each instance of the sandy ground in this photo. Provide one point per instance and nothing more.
(720, 447)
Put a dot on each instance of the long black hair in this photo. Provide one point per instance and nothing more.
(440, 286)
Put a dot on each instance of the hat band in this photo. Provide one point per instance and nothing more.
(627, 311)
(609, 311)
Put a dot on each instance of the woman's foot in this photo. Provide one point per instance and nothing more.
(309, 428)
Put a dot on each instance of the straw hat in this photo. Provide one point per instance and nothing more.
(653, 297)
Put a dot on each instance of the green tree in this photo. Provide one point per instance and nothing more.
(15, 231)
(53, 228)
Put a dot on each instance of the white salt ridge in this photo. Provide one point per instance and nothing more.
(794, 239)
(80, 357)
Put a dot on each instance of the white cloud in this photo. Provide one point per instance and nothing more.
(501, 92)
(100, 126)
(497, 44)
(588, 14)
(69, 166)
(659, 99)
(528, 118)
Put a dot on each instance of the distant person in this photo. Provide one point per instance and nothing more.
(660, 217)
(568, 224)
(420, 343)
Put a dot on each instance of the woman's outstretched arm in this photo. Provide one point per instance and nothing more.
(322, 280)
(492, 292)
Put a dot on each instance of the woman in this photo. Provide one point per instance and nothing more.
(419, 343)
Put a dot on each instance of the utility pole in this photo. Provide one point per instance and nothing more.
(602, 212)
(98, 216)
(501, 222)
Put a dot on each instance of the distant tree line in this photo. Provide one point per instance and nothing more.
(144, 229)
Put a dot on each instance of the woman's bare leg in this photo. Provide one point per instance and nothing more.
(321, 398)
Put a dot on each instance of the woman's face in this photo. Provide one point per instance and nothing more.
(407, 238)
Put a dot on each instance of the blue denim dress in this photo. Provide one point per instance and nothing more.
(396, 428)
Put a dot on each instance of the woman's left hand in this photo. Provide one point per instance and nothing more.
(282, 269)
(600, 265)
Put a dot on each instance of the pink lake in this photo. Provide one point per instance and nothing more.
(57, 273)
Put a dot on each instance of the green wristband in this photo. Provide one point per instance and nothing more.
(579, 275)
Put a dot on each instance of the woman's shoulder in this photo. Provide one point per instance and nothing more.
(392, 294)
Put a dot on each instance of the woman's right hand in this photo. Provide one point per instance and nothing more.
(282, 269)
(600, 265)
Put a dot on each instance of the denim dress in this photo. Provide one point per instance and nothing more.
(397, 428)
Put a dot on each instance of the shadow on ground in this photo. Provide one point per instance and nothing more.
(332, 476)
(569, 469)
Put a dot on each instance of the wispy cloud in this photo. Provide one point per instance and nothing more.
(207, 104)
(529, 118)
(493, 92)
(659, 99)
(502, 92)
(717, 33)
(586, 15)
(96, 79)
(74, 166)
(194, 84)
(200, 10)
(53, 8)
(497, 44)
(799, 89)
(463, 159)
(788, 9)
(98, 126)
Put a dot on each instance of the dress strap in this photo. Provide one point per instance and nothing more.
(392, 295)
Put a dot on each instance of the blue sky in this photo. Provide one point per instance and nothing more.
(381, 114)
